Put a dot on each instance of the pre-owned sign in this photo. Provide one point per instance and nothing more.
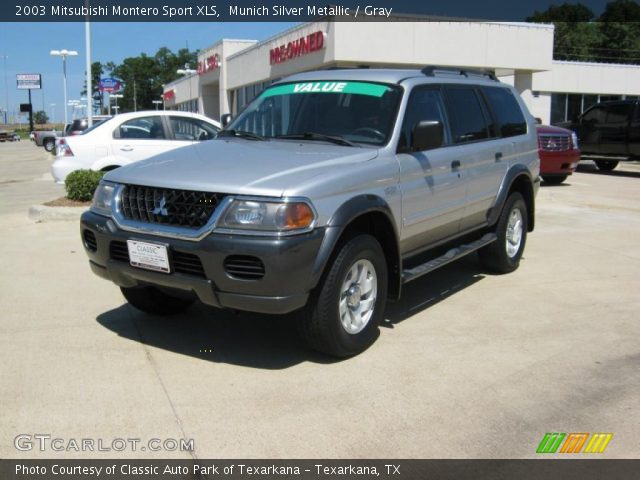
(297, 48)
(29, 81)
(209, 64)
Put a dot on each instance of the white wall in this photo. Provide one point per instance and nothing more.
(589, 78)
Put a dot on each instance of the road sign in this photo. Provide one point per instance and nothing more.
(109, 85)
(28, 81)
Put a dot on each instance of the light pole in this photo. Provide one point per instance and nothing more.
(6, 89)
(64, 54)
(116, 96)
(156, 103)
(187, 71)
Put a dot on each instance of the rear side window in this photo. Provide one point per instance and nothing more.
(507, 112)
(468, 121)
(146, 128)
(618, 113)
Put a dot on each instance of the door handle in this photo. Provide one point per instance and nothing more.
(498, 156)
(126, 149)
(455, 165)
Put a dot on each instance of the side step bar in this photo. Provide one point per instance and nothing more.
(452, 255)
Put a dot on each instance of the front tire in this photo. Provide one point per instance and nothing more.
(606, 165)
(503, 255)
(154, 301)
(344, 312)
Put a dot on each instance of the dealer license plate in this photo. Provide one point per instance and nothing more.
(150, 256)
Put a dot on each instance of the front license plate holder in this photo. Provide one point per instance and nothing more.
(149, 256)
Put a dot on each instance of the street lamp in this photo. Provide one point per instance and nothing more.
(116, 96)
(187, 71)
(156, 103)
(64, 54)
(6, 87)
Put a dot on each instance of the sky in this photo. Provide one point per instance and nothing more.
(27, 46)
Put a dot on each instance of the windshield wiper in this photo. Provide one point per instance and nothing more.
(241, 134)
(318, 136)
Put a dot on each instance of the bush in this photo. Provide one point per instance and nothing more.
(81, 184)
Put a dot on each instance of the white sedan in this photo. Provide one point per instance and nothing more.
(130, 137)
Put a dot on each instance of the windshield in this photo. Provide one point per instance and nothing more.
(354, 111)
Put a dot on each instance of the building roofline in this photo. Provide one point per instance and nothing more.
(595, 64)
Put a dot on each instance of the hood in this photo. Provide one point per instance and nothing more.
(239, 166)
(552, 129)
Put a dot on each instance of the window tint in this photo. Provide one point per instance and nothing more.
(468, 122)
(505, 107)
(595, 115)
(618, 113)
(142, 128)
(424, 104)
(192, 129)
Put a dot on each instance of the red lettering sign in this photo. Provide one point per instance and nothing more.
(209, 64)
(169, 95)
(297, 48)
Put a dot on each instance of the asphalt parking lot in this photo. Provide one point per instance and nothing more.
(468, 365)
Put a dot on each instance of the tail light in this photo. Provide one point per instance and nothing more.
(63, 149)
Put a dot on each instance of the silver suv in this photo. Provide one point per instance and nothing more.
(325, 195)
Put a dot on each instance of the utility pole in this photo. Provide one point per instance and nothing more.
(87, 41)
(6, 89)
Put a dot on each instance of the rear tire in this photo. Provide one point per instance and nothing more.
(343, 314)
(154, 301)
(503, 255)
(49, 144)
(606, 165)
(555, 180)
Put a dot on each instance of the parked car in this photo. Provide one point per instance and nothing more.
(325, 195)
(130, 137)
(46, 139)
(9, 136)
(559, 153)
(609, 132)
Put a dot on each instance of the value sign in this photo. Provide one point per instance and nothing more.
(109, 85)
(29, 81)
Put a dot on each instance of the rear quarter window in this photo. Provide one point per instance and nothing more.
(507, 112)
(468, 120)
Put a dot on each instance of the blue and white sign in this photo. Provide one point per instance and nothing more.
(109, 85)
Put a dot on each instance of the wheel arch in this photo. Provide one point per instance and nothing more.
(363, 214)
(518, 179)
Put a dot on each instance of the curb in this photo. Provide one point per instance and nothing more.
(42, 213)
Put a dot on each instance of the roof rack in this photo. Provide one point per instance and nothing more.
(430, 71)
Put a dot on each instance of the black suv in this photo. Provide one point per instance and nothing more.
(609, 132)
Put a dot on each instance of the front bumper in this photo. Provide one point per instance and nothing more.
(288, 266)
(559, 163)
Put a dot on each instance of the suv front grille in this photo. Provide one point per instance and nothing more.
(165, 206)
(554, 143)
(181, 262)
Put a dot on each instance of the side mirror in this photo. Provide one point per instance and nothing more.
(427, 134)
(225, 119)
(538, 120)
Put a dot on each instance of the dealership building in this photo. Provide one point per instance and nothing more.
(230, 73)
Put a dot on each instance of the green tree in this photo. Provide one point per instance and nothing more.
(97, 71)
(576, 35)
(620, 32)
(40, 117)
(144, 76)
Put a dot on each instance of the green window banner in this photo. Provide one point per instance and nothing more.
(358, 88)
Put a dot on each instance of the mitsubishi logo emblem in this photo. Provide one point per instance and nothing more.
(160, 209)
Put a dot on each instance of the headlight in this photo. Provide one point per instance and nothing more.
(270, 216)
(103, 199)
(574, 140)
